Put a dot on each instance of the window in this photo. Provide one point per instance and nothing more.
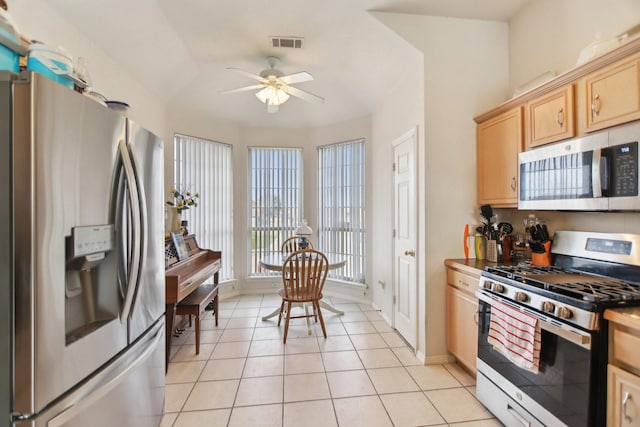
(206, 167)
(341, 206)
(275, 199)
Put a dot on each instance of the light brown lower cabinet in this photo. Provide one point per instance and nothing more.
(623, 371)
(462, 308)
(623, 404)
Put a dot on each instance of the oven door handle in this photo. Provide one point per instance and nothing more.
(576, 337)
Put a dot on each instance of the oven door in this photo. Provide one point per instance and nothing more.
(560, 390)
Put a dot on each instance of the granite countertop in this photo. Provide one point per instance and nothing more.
(627, 316)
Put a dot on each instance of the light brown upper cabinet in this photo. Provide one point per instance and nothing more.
(600, 93)
(499, 141)
(613, 94)
(551, 117)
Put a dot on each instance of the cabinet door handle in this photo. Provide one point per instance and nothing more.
(625, 400)
(595, 105)
(410, 253)
(560, 117)
(463, 283)
(513, 183)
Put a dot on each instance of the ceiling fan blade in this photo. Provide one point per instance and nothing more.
(246, 73)
(242, 89)
(307, 96)
(300, 77)
(272, 108)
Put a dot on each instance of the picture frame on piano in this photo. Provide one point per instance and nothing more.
(180, 246)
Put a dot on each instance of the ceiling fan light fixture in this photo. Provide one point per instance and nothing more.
(275, 88)
(272, 95)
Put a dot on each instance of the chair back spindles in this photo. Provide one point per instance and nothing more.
(291, 245)
(303, 276)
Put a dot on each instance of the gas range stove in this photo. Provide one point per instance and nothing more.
(591, 273)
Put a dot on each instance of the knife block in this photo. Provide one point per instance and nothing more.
(542, 259)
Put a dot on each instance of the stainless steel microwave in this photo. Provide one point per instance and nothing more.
(597, 172)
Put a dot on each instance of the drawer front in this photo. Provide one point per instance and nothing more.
(462, 281)
(624, 348)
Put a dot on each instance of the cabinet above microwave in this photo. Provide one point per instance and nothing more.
(597, 172)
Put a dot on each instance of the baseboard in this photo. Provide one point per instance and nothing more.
(439, 359)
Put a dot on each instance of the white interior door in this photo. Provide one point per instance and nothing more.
(405, 312)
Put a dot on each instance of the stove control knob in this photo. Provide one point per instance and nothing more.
(548, 307)
(521, 296)
(487, 285)
(497, 287)
(564, 313)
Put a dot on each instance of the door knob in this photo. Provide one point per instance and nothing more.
(409, 253)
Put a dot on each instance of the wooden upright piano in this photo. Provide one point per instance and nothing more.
(186, 277)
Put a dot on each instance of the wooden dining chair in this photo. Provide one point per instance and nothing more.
(291, 245)
(303, 276)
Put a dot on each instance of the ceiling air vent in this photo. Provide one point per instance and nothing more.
(289, 42)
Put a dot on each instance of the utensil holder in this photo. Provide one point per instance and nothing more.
(544, 259)
(492, 250)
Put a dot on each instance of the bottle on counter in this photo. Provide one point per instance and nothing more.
(506, 248)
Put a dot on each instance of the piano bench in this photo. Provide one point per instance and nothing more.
(195, 304)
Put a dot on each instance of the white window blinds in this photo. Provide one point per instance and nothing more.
(341, 206)
(206, 167)
(275, 200)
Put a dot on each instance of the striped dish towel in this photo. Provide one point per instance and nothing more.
(516, 335)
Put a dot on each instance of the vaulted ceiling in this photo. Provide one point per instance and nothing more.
(180, 50)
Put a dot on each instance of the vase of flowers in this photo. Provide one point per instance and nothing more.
(182, 200)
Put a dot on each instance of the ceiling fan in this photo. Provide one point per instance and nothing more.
(275, 87)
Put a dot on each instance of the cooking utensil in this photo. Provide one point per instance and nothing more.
(486, 212)
(505, 227)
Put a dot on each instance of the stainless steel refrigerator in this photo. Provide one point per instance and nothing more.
(81, 261)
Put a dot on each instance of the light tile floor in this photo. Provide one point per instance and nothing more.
(362, 374)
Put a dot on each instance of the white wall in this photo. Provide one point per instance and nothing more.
(400, 114)
(37, 21)
(548, 35)
(465, 72)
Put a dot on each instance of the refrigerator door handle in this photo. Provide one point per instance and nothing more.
(95, 392)
(134, 262)
(143, 226)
